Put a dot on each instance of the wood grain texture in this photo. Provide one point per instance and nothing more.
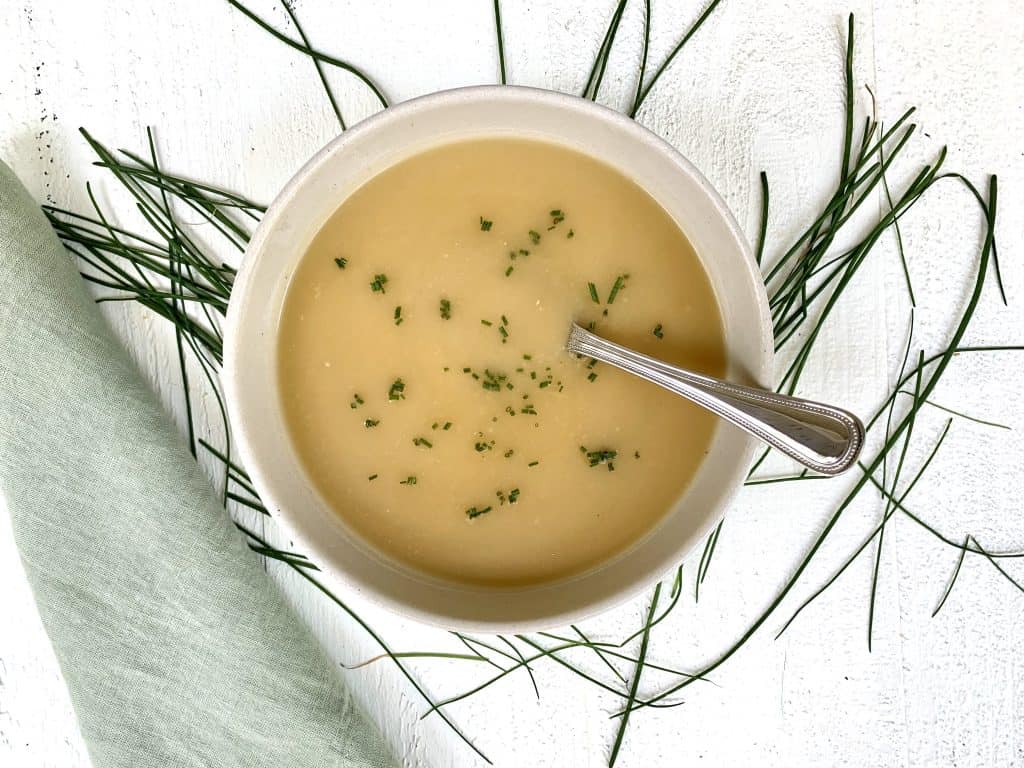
(758, 88)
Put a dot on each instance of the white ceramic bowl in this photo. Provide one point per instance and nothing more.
(309, 199)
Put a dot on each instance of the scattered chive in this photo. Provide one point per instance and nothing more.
(513, 496)
(509, 453)
(593, 293)
(591, 376)
(369, 423)
(508, 271)
(356, 401)
(410, 480)
(475, 512)
(658, 332)
(341, 261)
(434, 425)
(482, 446)
(485, 225)
(398, 315)
(372, 477)
(378, 283)
(397, 391)
(557, 217)
(510, 410)
(527, 357)
(571, 235)
(447, 426)
(446, 309)
(422, 441)
(534, 236)
(636, 454)
(533, 464)
(486, 322)
(620, 283)
(604, 456)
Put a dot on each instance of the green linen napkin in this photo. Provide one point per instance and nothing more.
(176, 648)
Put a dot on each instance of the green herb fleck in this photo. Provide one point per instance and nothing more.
(397, 391)
(476, 512)
(422, 441)
(509, 453)
(486, 322)
(370, 423)
(410, 480)
(508, 271)
(446, 309)
(485, 225)
(636, 454)
(341, 261)
(533, 464)
(356, 401)
(398, 315)
(513, 496)
(557, 217)
(482, 446)
(658, 332)
(534, 236)
(620, 283)
(379, 281)
(593, 293)
(591, 376)
(604, 456)
(372, 477)
(447, 426)
(571, 235)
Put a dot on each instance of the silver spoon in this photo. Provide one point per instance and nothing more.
(821, 437)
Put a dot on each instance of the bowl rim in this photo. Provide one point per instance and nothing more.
(232, 377)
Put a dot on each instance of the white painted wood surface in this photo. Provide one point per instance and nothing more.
(758, 88)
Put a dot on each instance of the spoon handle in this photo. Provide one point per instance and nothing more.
(821, 437)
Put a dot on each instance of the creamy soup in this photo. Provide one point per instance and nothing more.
(424, 378)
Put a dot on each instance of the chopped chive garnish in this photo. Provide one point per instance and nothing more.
(527, 357)
(371, 423)
(501, 496)
(510, 410)
(493, 381)
(508, 271)
(356, 401)
(591, 376)
(571, 235)
(486, 322)
(422, 441)
(485, 225)
(658, 332)
(482, 446)
(447, 426)
(620, 283)
(341, 261)
(523, 252)
(636, 454)
(434, 425)
(594, 458)
(534, 236)
(593, 293)
(503, 331)
(476, 512)
(529, 409)
(398, 315)
(592, 363)
(372, 477)
(466, 370)
(545, 383)
(379, 281)
(509, 453)
(513, 496)
(533, 464)
(410, 480)
(446, 309)
(397, 391)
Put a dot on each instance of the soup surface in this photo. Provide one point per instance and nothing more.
(423, 372)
